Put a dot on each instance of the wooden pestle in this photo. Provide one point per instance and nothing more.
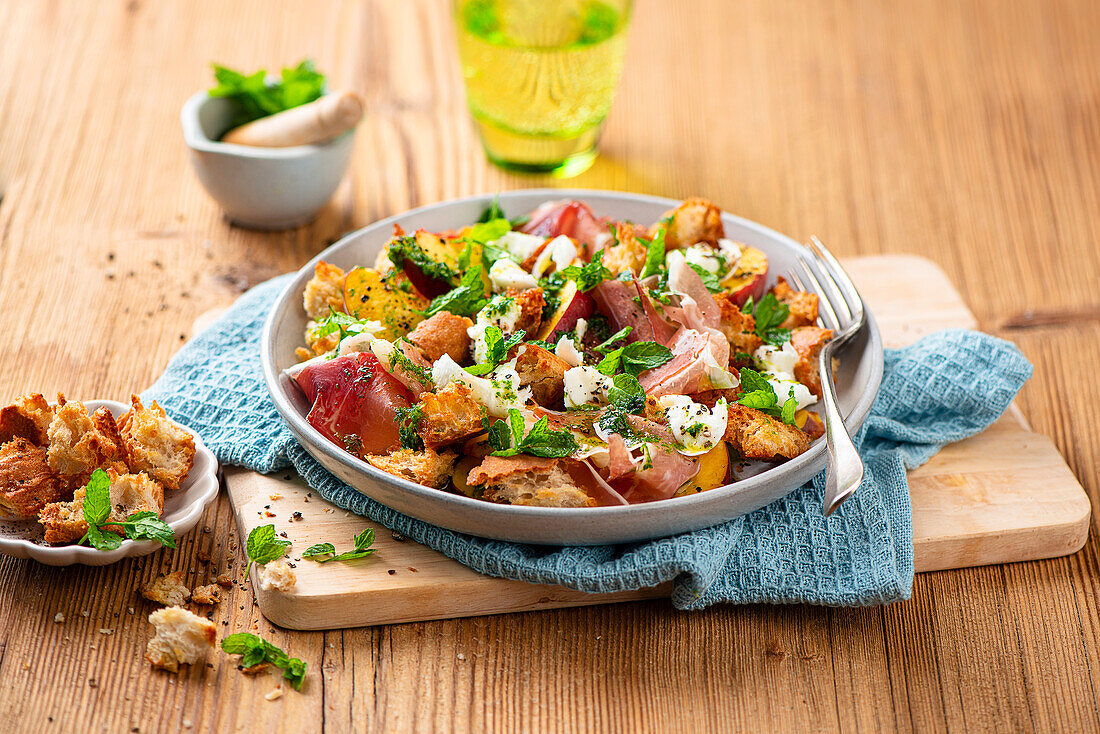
(316, 122)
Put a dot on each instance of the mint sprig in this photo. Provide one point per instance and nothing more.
(508, 438)
(768, 315)
(497, 348)
(363, 542)
(758, 393)
(255, 650)
(264, 546)
(143, 525)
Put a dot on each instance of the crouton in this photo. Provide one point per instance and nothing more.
(26, 482)
(629, 254)
(209, 594)
(277, 575)
(544, 372)
(808, 342)
(530, 304)
(79, 444)
(28, 417)
(318, 343)
(695, 220)
(528, 480)
(449, 415)
(423, 467)
(803, 306)
(325, 291)
(130, 493)
(759, 436)
(739, 329)
(442, 334)
(155, 445)
(168, 590)
(182, 637)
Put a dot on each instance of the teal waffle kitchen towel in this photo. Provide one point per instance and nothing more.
(945, 387)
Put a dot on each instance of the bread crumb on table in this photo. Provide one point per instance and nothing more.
(168, 590)
(274, 693)
(59, 617)
(181, 638)
(209, 594)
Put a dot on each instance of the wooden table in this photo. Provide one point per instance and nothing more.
(963, 130)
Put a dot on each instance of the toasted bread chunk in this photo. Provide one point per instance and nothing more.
(739, 328)
(629, 254)
(423, 467)
(182, 637)
(209, 594)
(528, 480)
(168, 590)
(26, 482)
(155, 445)
(324, 291)
(320, 344)
(442, 334)
(80, 443)
(28, 417)
(808, 342)
(544, 372)
(530, 304)
(759, 436)
(449, 415)
(696, 220)
(130, 493)
(277, 575)
(803, 306)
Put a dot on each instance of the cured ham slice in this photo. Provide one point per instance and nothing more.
(699, 309)
(626, 304)
(355, 402)
(657, 473)
(696, 358)
(571, 218)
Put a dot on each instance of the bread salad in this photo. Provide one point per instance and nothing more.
(564, 359)
(88, 478)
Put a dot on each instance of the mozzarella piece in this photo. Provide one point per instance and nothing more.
(505, 274)
(585, 386)
(521, 246)
(502, 312)
(497, 393)
(581, 328)
(559, 251)
(777, 365)
(568, 351)
(697, 428)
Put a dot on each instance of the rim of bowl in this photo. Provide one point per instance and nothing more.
(196, 139)
(814, 455)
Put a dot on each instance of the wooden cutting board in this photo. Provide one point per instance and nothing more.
(1003, 496)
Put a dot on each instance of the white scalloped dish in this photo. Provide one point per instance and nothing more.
(182, 510)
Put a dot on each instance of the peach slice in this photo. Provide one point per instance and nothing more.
(749, 276)
(573, 305)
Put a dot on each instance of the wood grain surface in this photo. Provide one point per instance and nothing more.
(967, 131)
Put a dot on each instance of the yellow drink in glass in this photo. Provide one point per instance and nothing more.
(540, 77)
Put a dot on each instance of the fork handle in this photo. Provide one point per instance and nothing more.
(844, 469)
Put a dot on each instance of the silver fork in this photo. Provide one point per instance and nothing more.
(842, 311)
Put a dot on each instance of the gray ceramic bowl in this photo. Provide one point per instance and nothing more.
(261, 188)
(858, 381)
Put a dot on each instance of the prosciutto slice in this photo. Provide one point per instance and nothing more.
(694, 357)
(355, 402)
(698, 309)
(626, 304)
(657, 473)
(570, 218)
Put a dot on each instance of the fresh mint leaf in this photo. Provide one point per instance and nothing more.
(497, 349)
(751, 381)
(626, 394)
(493, 211)
(97, 498)
(759, 399)
(500, 436)
(710, 280)
(489, 231)
(790, 407)
(239, 643)
(541, 440)
(758, 393)
(256, 97)
(263, 545)
(319, 549)
(611, 362)
(295, 672)
(255, 650)
(641, 356)
(465, 300)
(615, 338)
(768, 314)
(101, 539)
(590, 275)
(146, 525)
(655, 250)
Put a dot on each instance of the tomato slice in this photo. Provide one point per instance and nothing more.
(355, 403)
